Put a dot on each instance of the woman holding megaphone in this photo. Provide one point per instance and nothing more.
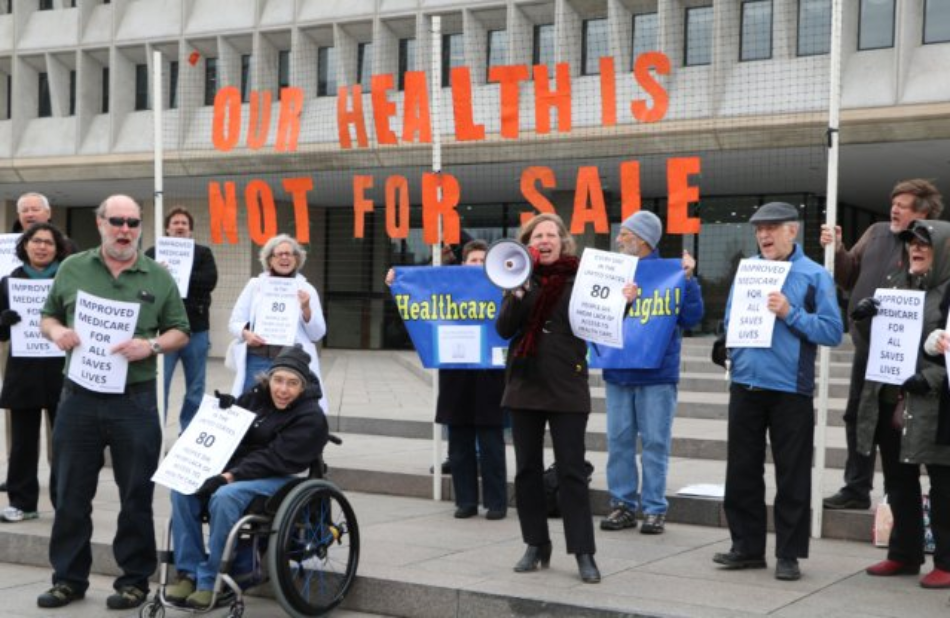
(546, 385)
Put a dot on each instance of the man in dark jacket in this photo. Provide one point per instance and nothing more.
(910, 200)
(194, 357)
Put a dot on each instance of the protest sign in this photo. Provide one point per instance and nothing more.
(27, 297)
(750, 321)
(278, 310)
(597, 302)
(895, 336)
(101, 324)
(205, 447)
(178, 255)
(8, 258)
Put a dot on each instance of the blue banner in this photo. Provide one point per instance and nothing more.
(450, 313)
(651, 319)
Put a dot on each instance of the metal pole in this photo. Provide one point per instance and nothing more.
(435, 85)
(158, 139)
(831, 216)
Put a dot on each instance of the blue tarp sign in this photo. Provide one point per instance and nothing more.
(450, 313)
(650, 322)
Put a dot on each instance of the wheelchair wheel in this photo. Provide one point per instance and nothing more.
(152, 609)
(313, 556)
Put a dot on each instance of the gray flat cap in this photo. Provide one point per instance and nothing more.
(774, 212)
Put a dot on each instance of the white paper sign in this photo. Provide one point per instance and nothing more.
(101, 324)
(205, 446)
(27, 297)
(597, 302)
(8, 258)
(895, 336)
(459, 344)
(750, 321)
(278, 311)
(178, 255)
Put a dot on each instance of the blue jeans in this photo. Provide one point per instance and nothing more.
(227, 505)
(647, 412)
(255, 365)
(194, 358)
(87, 423)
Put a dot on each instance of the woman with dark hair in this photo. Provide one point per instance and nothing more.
(30, 384)
(547, 386)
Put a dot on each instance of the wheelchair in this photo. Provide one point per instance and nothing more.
(309, 538)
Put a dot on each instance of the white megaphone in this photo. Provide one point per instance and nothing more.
(508, 264)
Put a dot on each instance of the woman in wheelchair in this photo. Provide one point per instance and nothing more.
(289, 432)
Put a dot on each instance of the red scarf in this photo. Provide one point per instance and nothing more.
(552, 277)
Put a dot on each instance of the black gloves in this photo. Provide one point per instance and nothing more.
(866, 308)
(211, 485)
(225, 400)
(916, 385)
(719, 352)
(9, 317)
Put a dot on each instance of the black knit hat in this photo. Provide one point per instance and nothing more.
(295, 359)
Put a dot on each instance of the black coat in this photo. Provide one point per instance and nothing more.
(470, 397)
(554, 379)
(29, 383)
(204, 278)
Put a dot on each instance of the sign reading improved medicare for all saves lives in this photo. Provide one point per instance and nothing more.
(278, 310)
(27, 297)
(750, 322)
(101, 324)
(205, 446)
(895, 336)
(177, 254)
(597, 302)
(8, 258)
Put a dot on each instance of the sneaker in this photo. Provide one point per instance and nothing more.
(618, 519)
(653, 524)
(11, 514)
(59, 595)
(126, 597)
(844, 500)
(183, 587)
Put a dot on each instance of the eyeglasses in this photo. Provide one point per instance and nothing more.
(282, 255)
(132, 222)
(42, 241)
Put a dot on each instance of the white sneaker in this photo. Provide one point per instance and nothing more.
(11, 514)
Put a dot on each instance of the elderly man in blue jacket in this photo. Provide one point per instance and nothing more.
(642, 402)
(771, 392)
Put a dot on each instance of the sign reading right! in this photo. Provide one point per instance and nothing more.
(895, 336)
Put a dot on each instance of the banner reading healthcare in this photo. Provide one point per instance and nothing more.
(278, 310)
(205, 447)
(650, 321)
(27, 297)
(101, 324)
(450, 313)
(177, 254)
(8, 258)
(597, 301)
(895, 336)
(750, 321)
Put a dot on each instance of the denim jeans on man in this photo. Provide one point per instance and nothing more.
(87, 423)
(194, 359)
(646, 411)
(226, 506)
(255, 365)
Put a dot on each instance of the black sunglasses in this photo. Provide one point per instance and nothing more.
(132, 222)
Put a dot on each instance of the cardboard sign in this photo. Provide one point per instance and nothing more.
(597, 302)
(895, 336)
(278, 310)
(177, 255)
(27, 297)
(101, 324)
(750, 321)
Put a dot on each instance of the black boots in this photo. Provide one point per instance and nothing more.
(533, 556)
(586, 566)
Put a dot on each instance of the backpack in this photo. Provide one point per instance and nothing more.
(551, 487)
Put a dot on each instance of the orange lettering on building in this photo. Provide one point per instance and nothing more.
(361, 203)
(223, 212)
(436, 207)
(529, 179)
(559, 98)
(661, 98)
(347, 117)
(261, 213)
(226, 121)
(509, 78)
(397, 207)
(680, 194)
(288, 125)
(465, 128)
(298, 188)
(383, 108)
(629, 188)
(259, 123)
(416, 125)
(608, 92)
(588, 190)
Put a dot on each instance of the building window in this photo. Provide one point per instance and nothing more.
(245, 77)
(44, 107)
(497, 48)
(46, 5)
(9, 113)
(595, 45)
(283, 70)
(105, 90)
(173, 84)
(364, 65)
(699, 25)
(645, 33)
(936, 21)
(453, 55)
(876, 24)
(72, 92)
(814, 27)
(543, 51)
(326, 71)
(756, 30)
(141, 87)
(407, 59)
(211, 80)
